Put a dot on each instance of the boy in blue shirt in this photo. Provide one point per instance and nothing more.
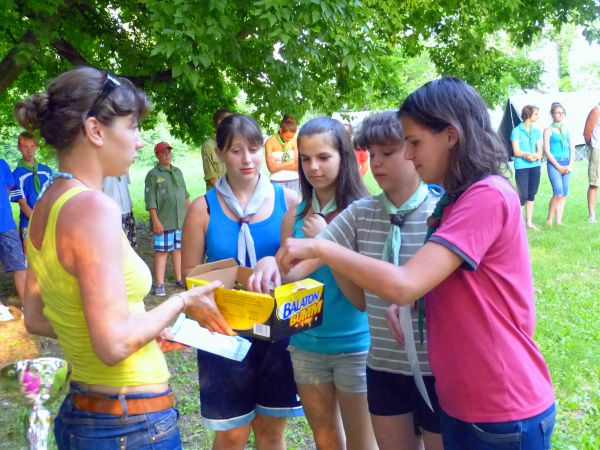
(29, 177)
(11, 250)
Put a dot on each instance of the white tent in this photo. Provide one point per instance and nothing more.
(354, 118)
(577, 106)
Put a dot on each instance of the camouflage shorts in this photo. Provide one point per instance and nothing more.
(128, 224)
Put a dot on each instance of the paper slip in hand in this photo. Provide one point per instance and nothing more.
(411, 352)
(189, 332)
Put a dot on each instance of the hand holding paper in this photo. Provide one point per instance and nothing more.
(166, 341)
(188, 332)
(392, 315)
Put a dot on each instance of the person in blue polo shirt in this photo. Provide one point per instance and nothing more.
(527, 148)
(29, 177)
(11, 250)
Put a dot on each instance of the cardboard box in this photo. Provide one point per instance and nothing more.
(292, 308)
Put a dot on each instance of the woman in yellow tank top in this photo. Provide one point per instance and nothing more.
(85, 284)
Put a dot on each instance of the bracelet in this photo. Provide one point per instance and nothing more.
(183, 300)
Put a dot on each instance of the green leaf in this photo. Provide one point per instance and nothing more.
(205, 60)
(177, 70)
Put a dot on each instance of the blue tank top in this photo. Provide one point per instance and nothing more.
(558, 150)
(222, 232)
(345, 329)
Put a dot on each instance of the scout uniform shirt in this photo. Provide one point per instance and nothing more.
(213, 167)
(165, 191)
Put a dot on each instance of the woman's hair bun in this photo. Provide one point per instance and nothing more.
(30, 112)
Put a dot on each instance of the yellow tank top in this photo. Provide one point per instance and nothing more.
(62, 306)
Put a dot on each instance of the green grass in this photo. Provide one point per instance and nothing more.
(566, 266)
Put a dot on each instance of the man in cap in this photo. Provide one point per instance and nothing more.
(167, 201)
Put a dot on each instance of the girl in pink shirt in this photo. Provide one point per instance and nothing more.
(492, 382)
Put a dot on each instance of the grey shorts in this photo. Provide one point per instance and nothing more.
(594, 167)
(11, 251)
(347, 371)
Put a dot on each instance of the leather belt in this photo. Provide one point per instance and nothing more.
(104, 405)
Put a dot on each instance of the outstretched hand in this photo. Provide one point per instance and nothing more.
(200, 306)
(265, 276)
(293, 251)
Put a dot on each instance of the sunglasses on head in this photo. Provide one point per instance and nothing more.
(110, 84)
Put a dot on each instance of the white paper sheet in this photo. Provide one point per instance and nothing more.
(189, 332)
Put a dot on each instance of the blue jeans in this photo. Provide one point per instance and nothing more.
(528, 434)
(559, 182)
(75, 429)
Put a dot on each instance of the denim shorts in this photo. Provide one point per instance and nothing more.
(168, 241)
(347, 371)
(559, 181)
(11, 251)
(128, 225)
(75, 429)
(394, 394)
(232, 392)
(528, 434)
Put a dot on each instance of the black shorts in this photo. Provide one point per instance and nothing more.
(232, 392)
(394, 394)
(528, 182)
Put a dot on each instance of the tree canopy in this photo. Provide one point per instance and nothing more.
(195, 56)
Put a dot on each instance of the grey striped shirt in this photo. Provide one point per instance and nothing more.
(364, 227)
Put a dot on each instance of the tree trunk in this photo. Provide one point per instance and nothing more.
(10, 68)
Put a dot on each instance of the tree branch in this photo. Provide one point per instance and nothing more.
(70, 53)
(159, 77)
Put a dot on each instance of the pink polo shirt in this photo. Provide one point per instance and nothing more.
(481, 319)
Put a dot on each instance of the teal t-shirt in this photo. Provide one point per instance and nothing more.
(345, 329)
(527, 143)
(558, 148)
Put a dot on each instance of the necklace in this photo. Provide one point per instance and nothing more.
(55, 176)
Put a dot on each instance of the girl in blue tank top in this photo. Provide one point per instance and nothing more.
(330, 360)
(560, 151)
(241, 218)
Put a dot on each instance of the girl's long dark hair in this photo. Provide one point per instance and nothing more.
(349, 185)
(479, 152)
